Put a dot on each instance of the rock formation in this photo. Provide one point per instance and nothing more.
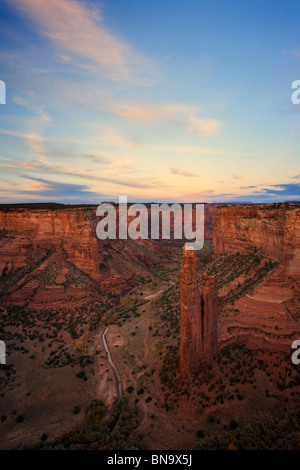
(198, 319)
(52, 256)
(273, 228)
(268, 315)
(68, 229)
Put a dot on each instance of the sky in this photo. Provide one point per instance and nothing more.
(157, 100)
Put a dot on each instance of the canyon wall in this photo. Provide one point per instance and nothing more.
(273, 228)
(67, 229)
(268, 315)
(39, 247)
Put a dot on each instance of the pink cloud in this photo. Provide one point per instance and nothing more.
(79, 32)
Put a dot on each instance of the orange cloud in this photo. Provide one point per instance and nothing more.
(148, 113)
(176, 171)
(204, 126)
(112, 139)
(36, 147)
(154, 113)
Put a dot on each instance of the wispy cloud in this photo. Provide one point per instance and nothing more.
(275, 192)
(260, 194)
(36, 147)
(45, 190)
(78, 31)
(35, 124)
(113, 139)
(96, 159)
(176, 171)
(34, 142)
(191, 150)
(30, 104)
(236, 177)
(44, 148)
(292, 52)
(204, 126)
(285, 189)
(17, 167)
(179, 114)
(291, 109)
(149, 113)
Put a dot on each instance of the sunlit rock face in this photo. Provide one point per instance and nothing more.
(273, 228)
(68, 229)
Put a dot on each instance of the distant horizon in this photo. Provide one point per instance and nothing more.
(145, 202)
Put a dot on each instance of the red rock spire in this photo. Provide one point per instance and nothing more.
(198, 319)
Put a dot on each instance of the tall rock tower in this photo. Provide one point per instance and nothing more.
(198, 318)
(190, 316)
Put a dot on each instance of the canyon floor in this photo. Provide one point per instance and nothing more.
(58, 385)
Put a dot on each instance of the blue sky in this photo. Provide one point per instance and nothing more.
(157, 100)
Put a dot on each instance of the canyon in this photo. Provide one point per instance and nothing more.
(48, 257)
(53, 255)
(196, 335)
(268, 316)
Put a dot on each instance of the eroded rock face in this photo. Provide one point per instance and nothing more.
(68, 229)
(268, 317)
(273, 228)
(50, 257)
(198, 318)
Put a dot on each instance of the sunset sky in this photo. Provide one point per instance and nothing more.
(159, 100)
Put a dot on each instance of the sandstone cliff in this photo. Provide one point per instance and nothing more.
(53, 257)
(68, 229)
(273, 228)
(268, 314)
